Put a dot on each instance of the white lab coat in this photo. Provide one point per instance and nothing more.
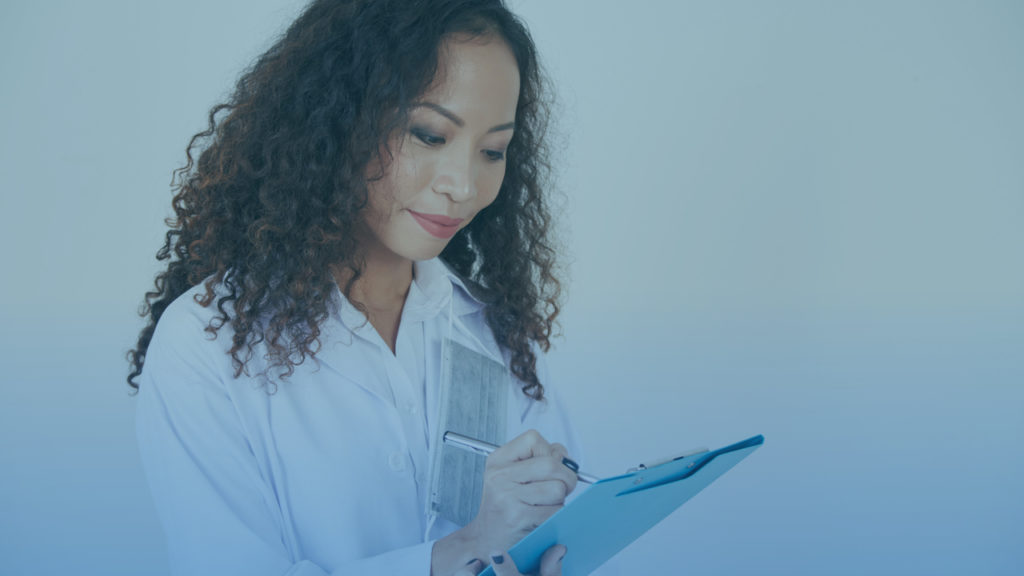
(329, 474)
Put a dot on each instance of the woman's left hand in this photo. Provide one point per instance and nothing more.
(550, 564)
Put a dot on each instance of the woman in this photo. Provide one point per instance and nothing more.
(373, 187)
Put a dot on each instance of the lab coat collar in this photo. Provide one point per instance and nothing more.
(434, 283)
(434, 286)
(435, 276)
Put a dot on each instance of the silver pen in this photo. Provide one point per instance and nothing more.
(485, 448)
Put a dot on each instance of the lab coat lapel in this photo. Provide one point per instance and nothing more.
(349, 348)
(347, 338)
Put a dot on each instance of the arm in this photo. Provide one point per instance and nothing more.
(220, 513)
(555, 420)
(525, 482)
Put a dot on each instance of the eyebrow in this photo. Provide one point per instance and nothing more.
(459, 121)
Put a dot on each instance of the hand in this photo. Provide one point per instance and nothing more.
(550, 564)
(525, 482)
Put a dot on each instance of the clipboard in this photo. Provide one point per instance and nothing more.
(615, 511)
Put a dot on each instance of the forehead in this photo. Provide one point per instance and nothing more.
(474, 73)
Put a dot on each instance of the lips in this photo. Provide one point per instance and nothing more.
(437, 225)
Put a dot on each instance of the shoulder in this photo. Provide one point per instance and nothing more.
(182, 343)
(186, 317)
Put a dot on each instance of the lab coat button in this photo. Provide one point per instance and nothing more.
(396, 462)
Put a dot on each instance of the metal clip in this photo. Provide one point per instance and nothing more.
(650, 465)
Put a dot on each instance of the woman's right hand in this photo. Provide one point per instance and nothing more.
(525, 482)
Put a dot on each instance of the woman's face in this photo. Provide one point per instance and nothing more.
(450, 163)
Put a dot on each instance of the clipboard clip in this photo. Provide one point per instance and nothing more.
(649, 465)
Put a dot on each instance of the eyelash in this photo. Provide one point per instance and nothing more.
(434, 140)
(428, 138)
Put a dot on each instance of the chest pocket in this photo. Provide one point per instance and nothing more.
(473, 401)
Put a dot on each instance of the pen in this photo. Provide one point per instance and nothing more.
(485, 448)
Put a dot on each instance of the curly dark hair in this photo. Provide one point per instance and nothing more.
(274, 199)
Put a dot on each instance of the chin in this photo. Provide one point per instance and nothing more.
(424, 251)
(424, 255)
(413, 243)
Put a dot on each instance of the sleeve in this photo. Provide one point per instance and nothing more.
(219, 514)
(554, 421)
(551, 417)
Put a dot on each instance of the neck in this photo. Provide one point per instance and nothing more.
(383, 284)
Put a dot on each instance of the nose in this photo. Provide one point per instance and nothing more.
(454, 178)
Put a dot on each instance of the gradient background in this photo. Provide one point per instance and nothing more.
(798, 219)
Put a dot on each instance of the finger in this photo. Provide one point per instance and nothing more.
(503, 565)
(474, 567)
(562, 453)
(545, 493)
(530, 517)
(538, 470)
(559, 450)
(551, 561)
(529, 444)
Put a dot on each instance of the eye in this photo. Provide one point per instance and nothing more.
(494, 155)
(427, 138)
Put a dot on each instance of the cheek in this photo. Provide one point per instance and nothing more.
(380, 198)
(487, 190)
(411, 173)
(399, 180)
(392, 192)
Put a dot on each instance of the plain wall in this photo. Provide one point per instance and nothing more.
(792, 218)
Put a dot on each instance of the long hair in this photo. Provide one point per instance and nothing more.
(275, 196)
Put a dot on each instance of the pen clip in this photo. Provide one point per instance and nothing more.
(648, 466)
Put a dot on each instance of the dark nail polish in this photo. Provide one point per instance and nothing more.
(498, 559)
(571, 465)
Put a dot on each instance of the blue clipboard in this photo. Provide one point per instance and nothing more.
(614, 512)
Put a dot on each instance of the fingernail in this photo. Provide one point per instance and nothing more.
(498, 558)
(571, 465)
(472, 561)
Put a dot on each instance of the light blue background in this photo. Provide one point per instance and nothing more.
(799, 219)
